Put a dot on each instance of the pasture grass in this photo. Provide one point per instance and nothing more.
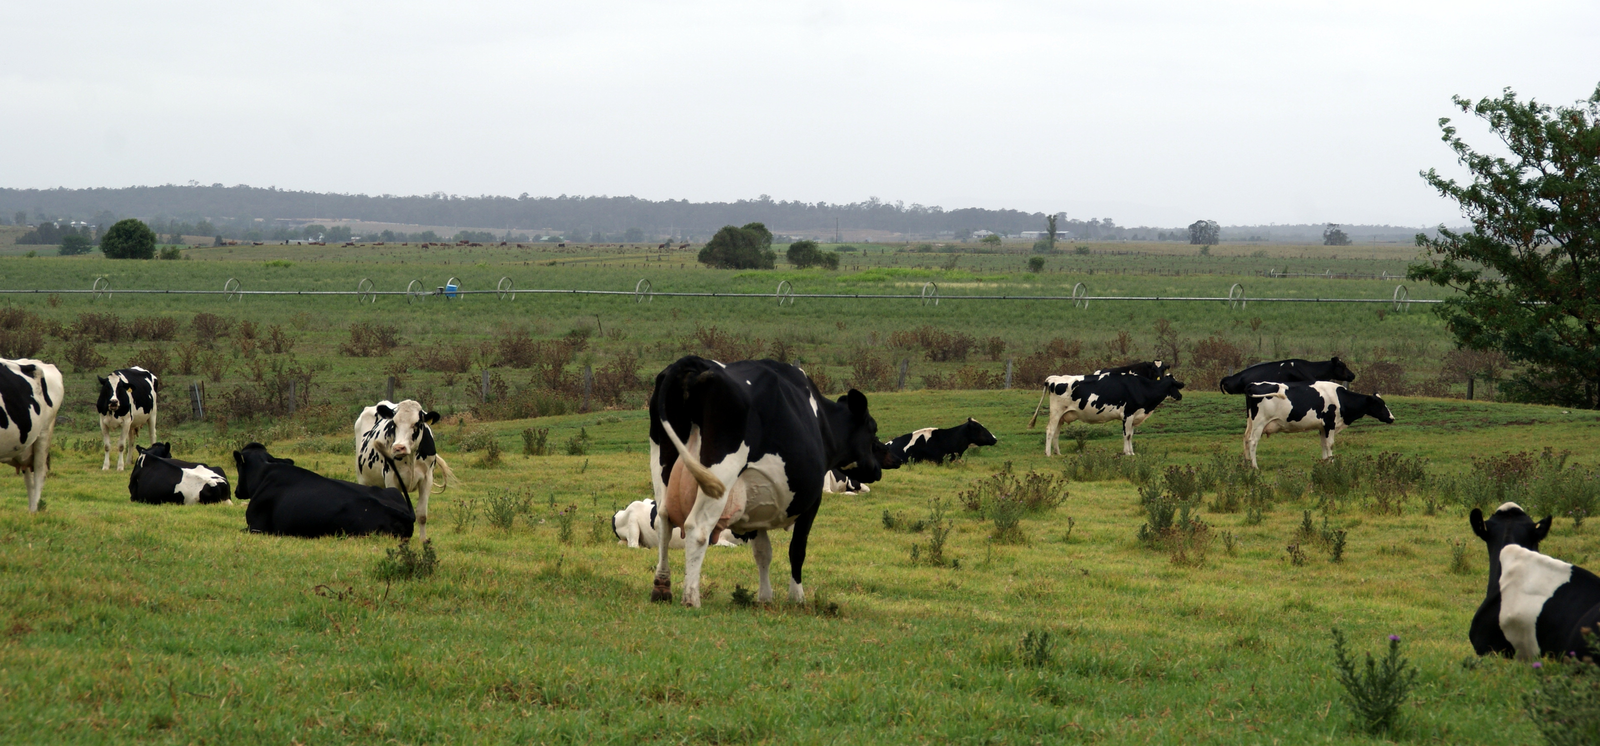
(170, 624)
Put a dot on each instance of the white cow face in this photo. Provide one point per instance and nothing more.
(405, 428)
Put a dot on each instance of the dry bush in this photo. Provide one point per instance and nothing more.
(98, 327)
(939, 346)
(994, 347)
(1459, 365)
(965, 378)
(443, 358)
(209, 326)
(1169, 346)
(615, 379)
(246, 330)
(268, 390)
(368, 339)
(517, 349)
(719, 345)
(152, 358)
(1382, 377)
(154, 328)
(278, 341)
(83, 356)
(188, 353)
(17, 343)
(1211, 359)
(820, 378)
(781, 350)
(1121, 347)
(869, 372)
(1052, 359)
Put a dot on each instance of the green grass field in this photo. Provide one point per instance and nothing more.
(127, 622)
(169, 624)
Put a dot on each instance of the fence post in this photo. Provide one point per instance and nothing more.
(1008, 373)
(900, 384)
(1470, 379)
(389, 391)
(196, 404)
(588, 386)
(483, 395)
(291, 397)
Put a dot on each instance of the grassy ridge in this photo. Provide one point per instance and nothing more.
(166, 624)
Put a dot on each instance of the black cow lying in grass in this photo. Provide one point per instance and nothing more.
(159, 478)
(1535, 604)
(291, 501)
(1287, 371)
(928, 444)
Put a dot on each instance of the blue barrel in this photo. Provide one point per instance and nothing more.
(450, 291)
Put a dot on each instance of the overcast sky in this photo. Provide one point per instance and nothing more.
(1151, 113)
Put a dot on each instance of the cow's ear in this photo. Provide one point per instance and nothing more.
(1542, 528)
(1476, 519)
(856, 401)
(386, 412)
(432, 418)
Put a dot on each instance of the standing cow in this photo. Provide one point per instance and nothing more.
(1093, 399)
(30, 396)
(1299, 407)
(127, 403)
(393, 437)
(1287, 371)
(744, 447)
(159, 478)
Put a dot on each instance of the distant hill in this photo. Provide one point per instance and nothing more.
(255, 212)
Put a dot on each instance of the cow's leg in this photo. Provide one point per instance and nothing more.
(1252, 438)
(797, 556)
(424, 488)
(1127, 436)
(697, 537)
(105, 435)
(34, 477)
(761, 548)
(152, 422)
(662, 590)
(1327, 444)
(1052, 430)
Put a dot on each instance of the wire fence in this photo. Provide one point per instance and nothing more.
(643, 292)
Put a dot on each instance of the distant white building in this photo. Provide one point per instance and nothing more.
(1036, 235)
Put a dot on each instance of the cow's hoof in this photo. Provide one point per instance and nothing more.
(662, 592)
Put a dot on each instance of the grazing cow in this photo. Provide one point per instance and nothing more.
(1153, 370)
(159, 478)
(30, 396)
(635, 526)
(933, 445)
(837, 483)
(1535, 604)
(1299, 407)
(127, 403)
(291, 501)
(393, 437)
(1287, 371)
(744, 447)
(1102, 398)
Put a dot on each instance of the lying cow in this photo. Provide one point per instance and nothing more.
(635, 526)
(1535, 604)
(127, 402)
(837, 483)
(30, 396)
(1287, 371)
(1095, 399)
(933, 445)
(394, 438)
(744, 447)
(291, 501)
(1299, 407)
(159, 478)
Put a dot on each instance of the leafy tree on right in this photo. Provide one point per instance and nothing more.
(129, 239)
(1527, 274)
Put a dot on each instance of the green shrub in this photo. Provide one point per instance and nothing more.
(401, 563)
(1034, 649)
(1376, 694)
(1565, 701)
(578, 445)
(536, 442)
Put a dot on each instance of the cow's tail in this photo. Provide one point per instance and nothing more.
(702, 476)
(1036, 407)
(444, 469)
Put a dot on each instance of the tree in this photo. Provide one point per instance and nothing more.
(1527, 274)
(761, 232)
(129, 239)
(1036, 264)
(1204, 232)
(22, 217)
(1332, 236)
(738, 248)
(993, 239)
(73, 244)
(803, 254)
(1050, 234)
(633, 235)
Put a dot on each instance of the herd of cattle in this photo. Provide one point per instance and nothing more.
(738, 450)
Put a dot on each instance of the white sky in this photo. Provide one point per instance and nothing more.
(1151, 113)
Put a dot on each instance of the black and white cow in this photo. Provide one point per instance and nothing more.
(1287, 371)
(1093, 399)
(635, 526)
(1535, 604)
(30, 396)
(1154, 370)
(744, 447)
(933, 445)
(127, 403)
(159, 478)
(1299, 407)
(291, 501)
(392, 437)
(837, 483)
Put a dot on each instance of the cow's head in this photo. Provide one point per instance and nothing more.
(406, 432)
(249, 462)
(1378, 410)
(114, 396)
(864, 457)
(1510, 524)
(159, 450)
(1174, 388)
(1338, 371)
(979, 435)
